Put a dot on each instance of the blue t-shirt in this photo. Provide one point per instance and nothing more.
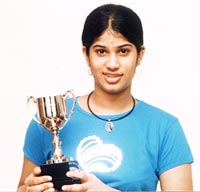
(141, 146)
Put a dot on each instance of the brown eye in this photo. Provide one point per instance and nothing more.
(124, 51)
(101, 51)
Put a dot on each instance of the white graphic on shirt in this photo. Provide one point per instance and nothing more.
(94, 155)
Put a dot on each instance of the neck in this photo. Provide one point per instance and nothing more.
(110, 104)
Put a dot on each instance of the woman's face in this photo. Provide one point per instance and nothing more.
(113, 60)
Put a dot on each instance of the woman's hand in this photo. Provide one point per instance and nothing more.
(36, 183)
(89, 182)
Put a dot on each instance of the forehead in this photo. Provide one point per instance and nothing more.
(110, 37)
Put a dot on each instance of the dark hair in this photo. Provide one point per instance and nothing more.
(123, 20)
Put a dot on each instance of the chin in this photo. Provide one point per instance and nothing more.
(115, 91)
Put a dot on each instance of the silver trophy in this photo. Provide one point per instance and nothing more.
(52, 114)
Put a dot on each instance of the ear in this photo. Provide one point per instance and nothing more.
(140, 55)
(86, 56)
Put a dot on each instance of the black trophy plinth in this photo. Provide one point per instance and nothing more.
(58, 172)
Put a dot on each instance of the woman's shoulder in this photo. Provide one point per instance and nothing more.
(151, 110)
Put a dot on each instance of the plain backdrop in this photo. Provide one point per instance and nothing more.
(40, 54)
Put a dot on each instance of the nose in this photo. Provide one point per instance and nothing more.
(113, 62)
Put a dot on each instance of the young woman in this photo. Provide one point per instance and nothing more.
(120, 142)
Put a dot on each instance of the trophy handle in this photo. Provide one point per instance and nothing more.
(33, 100)
(65, 96)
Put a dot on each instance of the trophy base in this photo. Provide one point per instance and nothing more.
(58, 172)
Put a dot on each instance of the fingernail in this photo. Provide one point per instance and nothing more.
(49, 178)
(64, 188)
(50, 185)
(37, 169)
(68, 173)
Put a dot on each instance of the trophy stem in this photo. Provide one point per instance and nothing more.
(58, 155)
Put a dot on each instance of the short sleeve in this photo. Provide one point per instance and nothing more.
(174, 148)
(34, 143)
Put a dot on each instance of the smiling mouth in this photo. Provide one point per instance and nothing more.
(112, 78)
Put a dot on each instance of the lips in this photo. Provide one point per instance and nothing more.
(112, 78)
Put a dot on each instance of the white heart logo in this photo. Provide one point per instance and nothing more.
(93, 155)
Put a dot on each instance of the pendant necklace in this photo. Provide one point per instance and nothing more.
(109, 122)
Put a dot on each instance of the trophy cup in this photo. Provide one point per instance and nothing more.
(52, 114)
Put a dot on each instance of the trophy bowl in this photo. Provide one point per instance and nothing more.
(52, 114)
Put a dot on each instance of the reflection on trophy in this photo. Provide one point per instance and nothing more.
(52, 114)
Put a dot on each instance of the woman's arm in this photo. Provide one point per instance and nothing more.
(177, 179)
(30, 179)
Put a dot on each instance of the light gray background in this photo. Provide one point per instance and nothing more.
(40, 54)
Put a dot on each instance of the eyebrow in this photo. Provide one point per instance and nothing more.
(126, 45)
(120, 46)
